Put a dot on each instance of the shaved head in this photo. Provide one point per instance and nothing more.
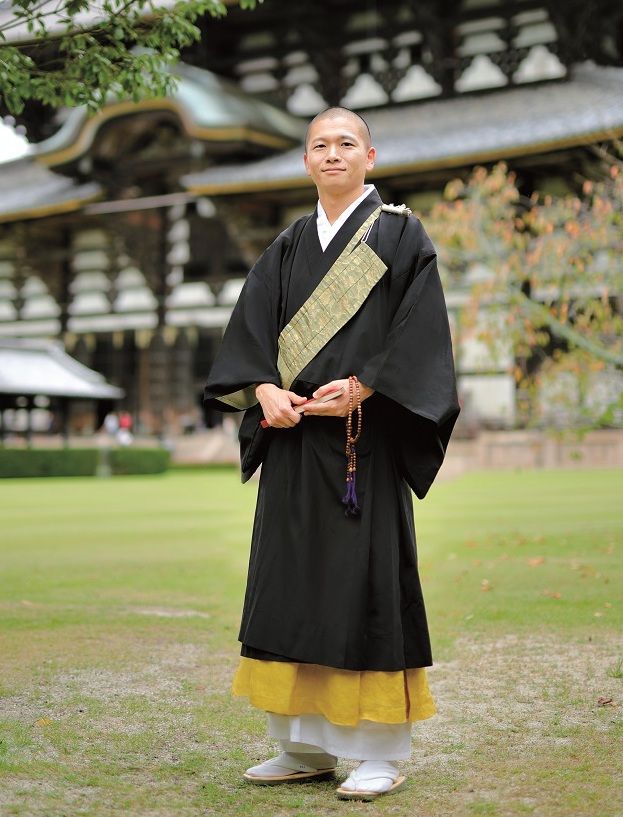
(339, 113)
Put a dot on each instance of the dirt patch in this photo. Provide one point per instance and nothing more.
(161, 612)
(162, 679)
(530, 690)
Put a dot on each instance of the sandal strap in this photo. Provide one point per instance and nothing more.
(369, 769)
(368, 777)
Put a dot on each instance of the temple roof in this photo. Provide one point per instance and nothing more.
(31, 367)
(208, 107)
(457, 132)
(30, 190)
(409, 138)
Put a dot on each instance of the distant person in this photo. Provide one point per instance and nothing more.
(124, 434)
(334, 633)
(111, 424)
(125, 420)
(188, 423)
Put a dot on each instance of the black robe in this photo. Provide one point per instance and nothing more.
(322, 587)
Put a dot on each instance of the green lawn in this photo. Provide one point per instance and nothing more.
(119, 605)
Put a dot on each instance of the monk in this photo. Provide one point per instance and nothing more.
(346, 303)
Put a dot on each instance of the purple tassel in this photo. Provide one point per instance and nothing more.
(350, 497)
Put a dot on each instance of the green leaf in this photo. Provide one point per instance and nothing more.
(89, 64)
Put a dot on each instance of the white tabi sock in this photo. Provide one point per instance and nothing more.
(292, 762)
(372, 775)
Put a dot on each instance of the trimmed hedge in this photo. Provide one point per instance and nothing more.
(80, 462)
(139, 460)
(52, 462)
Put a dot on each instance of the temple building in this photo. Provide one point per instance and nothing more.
(127, 234)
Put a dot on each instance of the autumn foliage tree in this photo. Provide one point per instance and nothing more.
(551, 294)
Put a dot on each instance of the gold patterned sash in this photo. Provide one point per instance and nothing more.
(332, 304)
(335, 300)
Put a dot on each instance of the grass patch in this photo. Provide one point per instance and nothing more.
(119, 608)
(616, 670)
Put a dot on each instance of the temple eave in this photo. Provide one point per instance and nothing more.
(51, 209)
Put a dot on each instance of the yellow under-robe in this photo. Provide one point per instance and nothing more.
(343, 697)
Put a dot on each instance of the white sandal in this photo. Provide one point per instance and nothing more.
(371, 779)
(286, 768)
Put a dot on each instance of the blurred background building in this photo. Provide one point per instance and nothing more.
(127, 235)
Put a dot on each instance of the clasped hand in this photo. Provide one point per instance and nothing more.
(277, 404)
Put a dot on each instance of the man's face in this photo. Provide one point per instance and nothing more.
(338, 155)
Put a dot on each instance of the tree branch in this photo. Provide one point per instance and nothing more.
(565, 332)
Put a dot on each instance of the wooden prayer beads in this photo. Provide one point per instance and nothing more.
(354, 404)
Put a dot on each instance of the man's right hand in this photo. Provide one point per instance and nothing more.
(277, 405)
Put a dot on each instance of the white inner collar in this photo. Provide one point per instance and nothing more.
(327, 231)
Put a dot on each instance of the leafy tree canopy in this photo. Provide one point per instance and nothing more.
(75, 52)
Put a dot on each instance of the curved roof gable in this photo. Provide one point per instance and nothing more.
(209, 108)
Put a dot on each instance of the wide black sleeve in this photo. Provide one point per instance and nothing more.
(415, 369)
(248, 352)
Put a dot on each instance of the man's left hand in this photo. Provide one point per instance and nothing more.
(338, 407)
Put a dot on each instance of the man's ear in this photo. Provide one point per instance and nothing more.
(371, 158)
(306, 164)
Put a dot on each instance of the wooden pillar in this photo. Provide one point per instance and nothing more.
(64, 411)
(65, 278)
(159, 351)
(143, 408)
(29, 407)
